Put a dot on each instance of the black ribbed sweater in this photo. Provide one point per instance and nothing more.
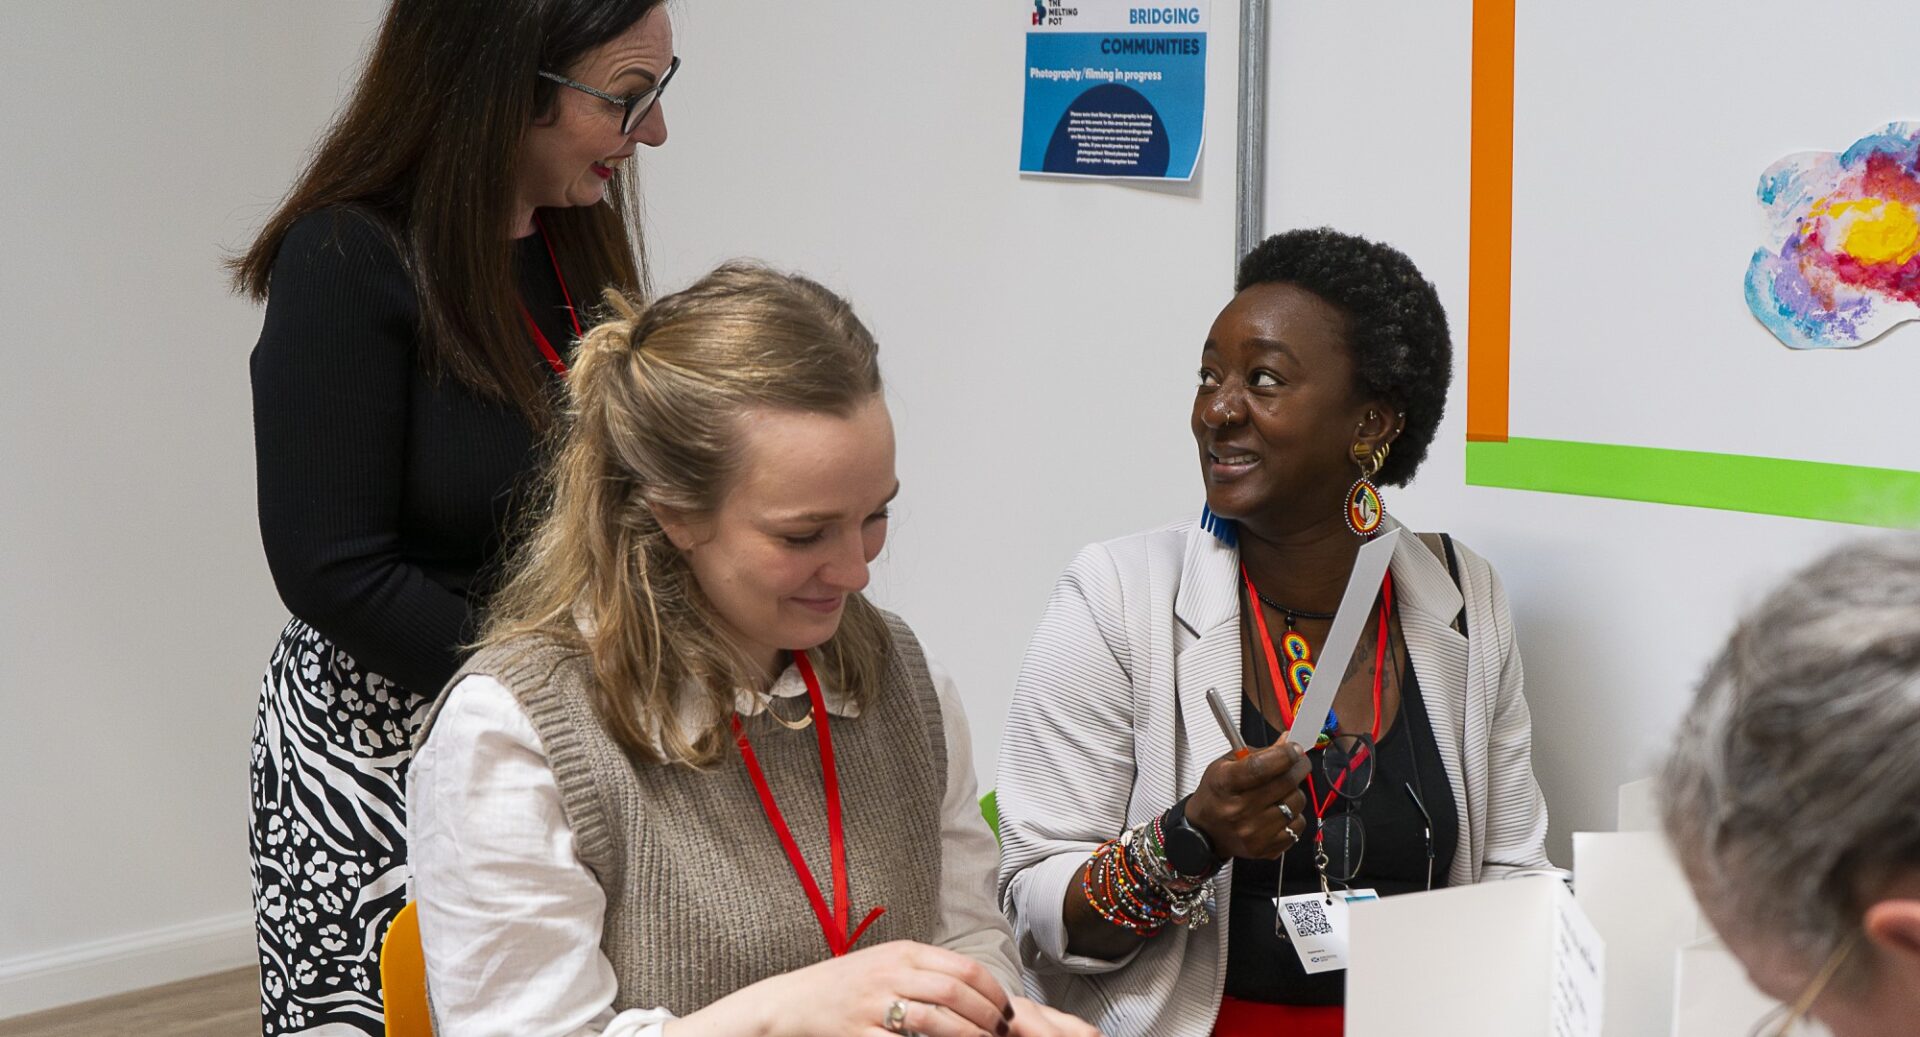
(387, 497)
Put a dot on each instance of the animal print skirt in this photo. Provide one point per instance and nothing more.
(329, 838)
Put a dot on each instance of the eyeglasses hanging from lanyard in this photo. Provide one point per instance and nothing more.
(1340, 841)
(634, 108)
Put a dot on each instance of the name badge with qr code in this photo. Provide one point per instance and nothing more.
(1317, 927)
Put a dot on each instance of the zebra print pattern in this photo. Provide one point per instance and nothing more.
(331, 745)
(1109, 725)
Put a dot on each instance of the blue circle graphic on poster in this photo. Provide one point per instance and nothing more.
(1110, 130)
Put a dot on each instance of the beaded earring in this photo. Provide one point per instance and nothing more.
(1365, 512)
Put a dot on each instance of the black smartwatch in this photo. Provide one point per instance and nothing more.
(1189, 852)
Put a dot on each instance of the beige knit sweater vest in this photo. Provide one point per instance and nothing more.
(701, 899)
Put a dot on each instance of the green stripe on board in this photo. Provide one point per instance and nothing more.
(1733, 482)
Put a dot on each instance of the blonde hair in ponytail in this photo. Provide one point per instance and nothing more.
(656, 401)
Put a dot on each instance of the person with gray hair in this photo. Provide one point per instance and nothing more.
(1792, 792)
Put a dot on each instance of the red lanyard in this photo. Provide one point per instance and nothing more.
(833, 924)
(1280, 696)
(1379, 669)
(1286, 709)
(540, 337)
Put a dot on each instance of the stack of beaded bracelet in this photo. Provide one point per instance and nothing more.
(1159, 870)
(1129, 883)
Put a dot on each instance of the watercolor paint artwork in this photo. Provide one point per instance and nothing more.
(1859, 472)
(1840, 266)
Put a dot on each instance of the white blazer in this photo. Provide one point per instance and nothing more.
(1109, 725)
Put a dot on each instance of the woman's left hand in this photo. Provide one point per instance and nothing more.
(1032, 1019)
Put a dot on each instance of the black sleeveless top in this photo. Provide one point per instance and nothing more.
(1262, 966)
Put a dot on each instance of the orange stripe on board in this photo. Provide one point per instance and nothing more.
(1490, 235)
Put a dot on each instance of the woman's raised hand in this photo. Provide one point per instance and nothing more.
(1252, 806)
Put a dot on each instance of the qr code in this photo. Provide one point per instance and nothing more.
(1309, 918)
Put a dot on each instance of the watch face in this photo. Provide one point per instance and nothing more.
(1188, 851)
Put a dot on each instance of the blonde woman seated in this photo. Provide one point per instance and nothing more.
(693, 782)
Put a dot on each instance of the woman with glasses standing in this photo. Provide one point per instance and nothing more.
(1129, 822)
(421, 283)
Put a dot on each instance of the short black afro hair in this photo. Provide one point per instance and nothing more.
(1396, 326)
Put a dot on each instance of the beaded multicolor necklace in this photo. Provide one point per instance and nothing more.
(1299, 653)
(1294, 648)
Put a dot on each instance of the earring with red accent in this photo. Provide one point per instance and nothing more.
(1365, 512)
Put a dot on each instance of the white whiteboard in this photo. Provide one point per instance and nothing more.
(1640, 135)
(1618, 603)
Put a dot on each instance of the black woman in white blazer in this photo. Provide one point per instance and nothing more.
(1141, 856)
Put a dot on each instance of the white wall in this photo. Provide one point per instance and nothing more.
(1619, 604)
(137, 142)
(1039, 337)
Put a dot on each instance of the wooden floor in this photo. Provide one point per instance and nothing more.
(225, 1004)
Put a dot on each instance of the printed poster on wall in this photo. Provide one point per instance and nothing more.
(1115, 89)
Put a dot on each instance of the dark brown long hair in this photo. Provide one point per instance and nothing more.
(428, 146)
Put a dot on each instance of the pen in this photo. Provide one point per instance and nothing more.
(1227, 727)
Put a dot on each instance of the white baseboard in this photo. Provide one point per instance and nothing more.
(103, 968)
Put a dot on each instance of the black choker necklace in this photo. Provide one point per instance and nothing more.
(1289, 612)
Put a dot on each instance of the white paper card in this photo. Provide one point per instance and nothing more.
(1634, 891)
(1579, 970)
(1316, 925)
(1473, 961)
(1639, 807)
(1336, 652)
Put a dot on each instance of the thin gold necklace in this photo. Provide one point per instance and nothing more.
(801, 724)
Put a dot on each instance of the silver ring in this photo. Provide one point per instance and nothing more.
(1287, 812)
(896, 1020)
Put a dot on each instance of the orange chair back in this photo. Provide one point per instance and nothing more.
(403, 977)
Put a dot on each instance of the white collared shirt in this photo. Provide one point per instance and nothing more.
(510, 919)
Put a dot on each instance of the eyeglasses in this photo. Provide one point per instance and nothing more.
(1346, 766)
(1783, 1020)
(635, 107)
